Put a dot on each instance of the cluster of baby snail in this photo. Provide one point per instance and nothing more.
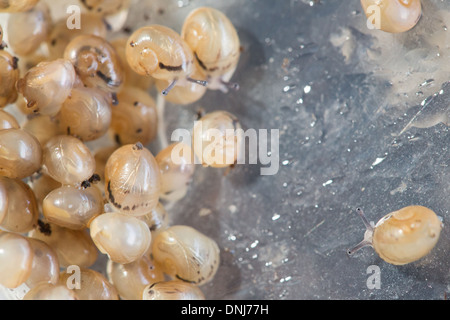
(60, 201)
(408, 234)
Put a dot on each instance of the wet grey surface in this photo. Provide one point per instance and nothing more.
(348, 142)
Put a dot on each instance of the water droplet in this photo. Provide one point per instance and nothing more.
(275, 216)
(307, 89)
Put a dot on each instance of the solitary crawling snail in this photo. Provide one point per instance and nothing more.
(402, 236)
(393, 16)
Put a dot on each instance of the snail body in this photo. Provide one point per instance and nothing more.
(215, 44)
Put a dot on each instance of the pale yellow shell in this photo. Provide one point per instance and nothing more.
(67, 160)
(9, 74)
(45, 264)
(186, 254)
(172, 290)
(20, 153)
(213, 39)
(86, 114)
(160, 52)
(132, 78)
(394, 15)
(19, 211)
(176, 163)
(47, 85)
(27, 30)
(131, 279)
(134, 118)
(96, 62)
(122, 237)
(406, 235)
(73, 207)
(73, 247)
(217, 139)
(16, 258)
(26, 261)
(132, 180)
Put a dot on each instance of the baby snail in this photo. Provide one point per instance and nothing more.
(177, 168)
(18, 208)
(105, 7)
(96, 62)
(93, 285)
(134, 118)
(46, 86)
(86, 114)
(393, 15)
(73, 247)
(172, 290)
(160, 52)
(67, 160)
(28, 30)
(132, 180)
(215, 44)
(186, 254)
(20, 153)
(122, 237)
(157, 219)
(217, 139)
(402, 236)
(72, 207)
(26, 261)
(131, 279)
(132, 78)
(17, 5)
(9, 74)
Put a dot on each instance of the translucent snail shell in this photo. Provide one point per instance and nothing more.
(213, 39)
(160, 52)
(394, 15)
(402, 236)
